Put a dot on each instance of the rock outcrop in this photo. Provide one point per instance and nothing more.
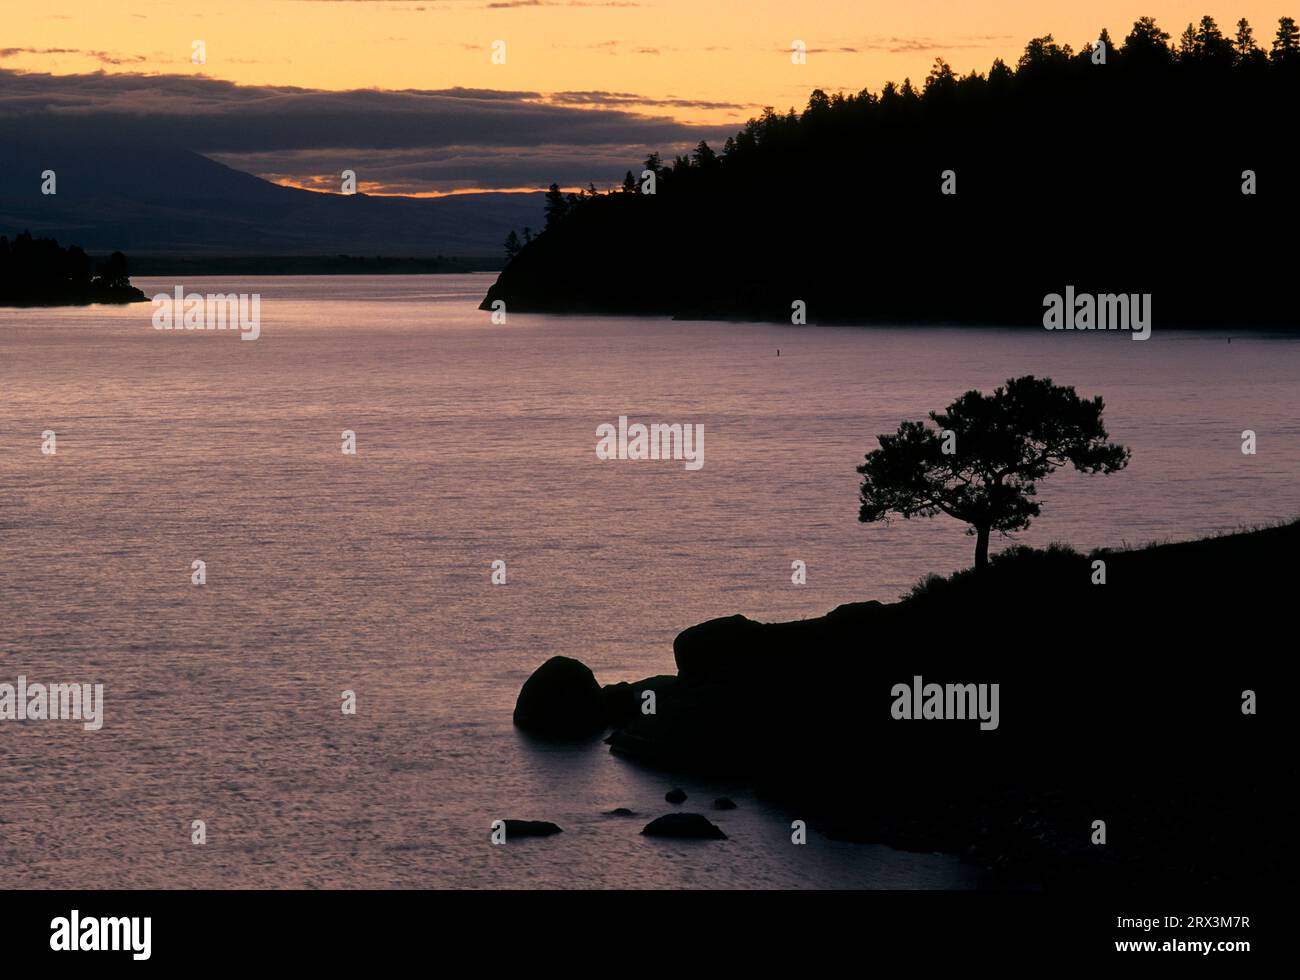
(809, 713)
(562, 700)
(691, 826)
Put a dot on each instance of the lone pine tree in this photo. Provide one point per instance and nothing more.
(981, 462)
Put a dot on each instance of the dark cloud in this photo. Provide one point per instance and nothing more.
(13, 52)
(411, 141)
(630, 98)
(449, 168)
(211, 115)
(108, 58)
(906, 45)
(616, 48)
(506, 4)
(104, 57)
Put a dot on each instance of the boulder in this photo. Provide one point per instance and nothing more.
(562, 700)
(620, 811)
(716, 649)
(675, 795)
(692, 826)
(724, 803)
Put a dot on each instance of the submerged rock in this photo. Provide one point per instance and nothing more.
(531, 828)
(724, 803)
(620, 811)
(562, 700)
(694, 826)
(676, 795)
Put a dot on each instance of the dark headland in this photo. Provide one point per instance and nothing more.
(1165, 169)
(1132, 703)
(39, 272)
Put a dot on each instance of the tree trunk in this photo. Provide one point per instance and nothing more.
(981, 548)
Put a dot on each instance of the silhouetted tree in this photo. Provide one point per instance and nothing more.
(704, 157)
(941, 82)
(1000, 76)
(513, 246)
(1286, 44)
(819, 101)
(76, 267)
(37, 271)
(1146, 45)
(1245, 50)
(556, 206)
(1188, 126)
(981, 461)
(1042, 52)
(1212, 48)
(113, 273)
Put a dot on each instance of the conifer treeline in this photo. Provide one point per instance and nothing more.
(1119, 165)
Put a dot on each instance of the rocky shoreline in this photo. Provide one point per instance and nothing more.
(1115, 705)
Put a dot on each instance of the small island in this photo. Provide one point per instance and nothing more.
(39, 272)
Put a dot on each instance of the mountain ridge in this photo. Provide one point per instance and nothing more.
(160, 199)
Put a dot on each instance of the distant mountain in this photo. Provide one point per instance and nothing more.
(159, 199)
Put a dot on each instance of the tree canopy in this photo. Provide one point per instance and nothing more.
(981, 460)
(1067, 169)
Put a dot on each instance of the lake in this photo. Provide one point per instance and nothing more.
(372, 572)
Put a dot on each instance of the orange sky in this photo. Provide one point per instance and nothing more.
(731, 51)
(715, 62)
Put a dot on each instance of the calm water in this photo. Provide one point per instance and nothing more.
(371, 573)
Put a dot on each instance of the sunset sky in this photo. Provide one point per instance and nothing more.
(697, 69)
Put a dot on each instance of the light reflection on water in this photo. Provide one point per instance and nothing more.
(329, 573)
